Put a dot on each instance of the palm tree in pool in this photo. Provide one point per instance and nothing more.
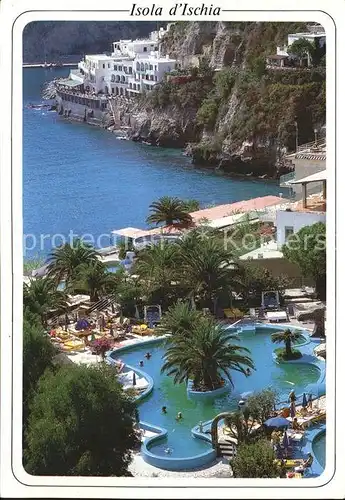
(95, 279)
(41, 297)
(65, 260)
(288, 337)
(205, 356)
(169, 211)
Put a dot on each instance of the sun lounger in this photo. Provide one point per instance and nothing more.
(276, 316)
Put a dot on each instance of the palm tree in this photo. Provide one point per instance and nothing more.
(208, 268)
(41, 297)
(169, 211)
(64, 260)
(95, 279)
(287, 336)
(205, 355)
(179, 319)
(156, 265)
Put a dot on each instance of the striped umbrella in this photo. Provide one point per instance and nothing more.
(304, 401)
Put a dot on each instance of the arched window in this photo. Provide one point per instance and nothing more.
(117, 78)
(146, 66)
(142, 67)
(138, 66)
(117, 90)
(113, 78)
(121, 91)
(123, 79)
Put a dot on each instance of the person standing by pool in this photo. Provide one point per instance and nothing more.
(292, 399)
(310, 401)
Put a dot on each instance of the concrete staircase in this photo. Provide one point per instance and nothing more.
(227, 449)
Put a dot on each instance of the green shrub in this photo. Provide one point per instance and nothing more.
(207, 113)
(282, 356)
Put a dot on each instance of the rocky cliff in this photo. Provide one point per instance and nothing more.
(231, 112)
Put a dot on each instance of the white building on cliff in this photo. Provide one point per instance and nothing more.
(133, 67)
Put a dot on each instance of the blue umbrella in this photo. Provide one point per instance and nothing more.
(286, 441)
(82, 324)
(304, 401)
(277, 422)
(292, 410)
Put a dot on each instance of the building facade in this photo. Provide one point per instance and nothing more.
(134, 66)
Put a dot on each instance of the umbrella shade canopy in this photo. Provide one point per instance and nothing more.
(292, 410)
(277, 422)
(304, 401)
(82, 324)
(286, 441)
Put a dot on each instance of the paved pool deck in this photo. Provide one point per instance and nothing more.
(140, 468)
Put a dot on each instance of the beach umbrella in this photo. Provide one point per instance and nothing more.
(286, 441)
(304, 401)
(277, 422)
(292, 410)
(82, 324)
(134, 379)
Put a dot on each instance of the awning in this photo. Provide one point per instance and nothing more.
(317, 177)
(130, 232)
(70, 83)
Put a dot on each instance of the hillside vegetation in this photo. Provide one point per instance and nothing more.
(233, 113)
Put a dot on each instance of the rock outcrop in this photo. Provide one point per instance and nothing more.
(241, 119)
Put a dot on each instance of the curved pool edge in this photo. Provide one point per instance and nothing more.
(173, 463)
(200, 460)
(316, 468)
(167, 463)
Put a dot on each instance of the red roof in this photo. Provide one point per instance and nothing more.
(238, 207)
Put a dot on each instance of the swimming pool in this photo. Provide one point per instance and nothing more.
(283, 377)
(319, 449)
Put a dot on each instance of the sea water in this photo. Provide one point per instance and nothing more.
(80, 178)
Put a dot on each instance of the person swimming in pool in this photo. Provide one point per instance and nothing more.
(148, 355)
(179, 416)
(141, 363)
(248, 372)
(164, 409)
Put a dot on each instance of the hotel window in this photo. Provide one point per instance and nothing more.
(115, 67)
(130, 70)
(145, 49)
(103, 66)
(120, 68)
(289, 230)
(151, 67)
(108, 65)
(156, 78)
(155, 68)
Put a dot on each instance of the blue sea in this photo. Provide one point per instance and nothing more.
(81, 180)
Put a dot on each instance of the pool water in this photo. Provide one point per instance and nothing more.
(282, 377)
(319, 449)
